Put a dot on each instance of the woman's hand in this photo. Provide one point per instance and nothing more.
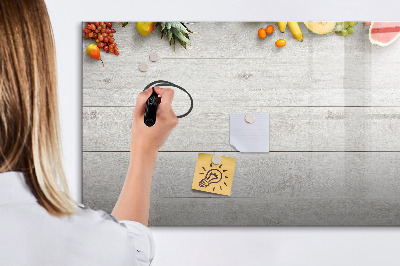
(148, 140)
(134, 201)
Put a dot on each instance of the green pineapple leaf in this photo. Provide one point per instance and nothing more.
(175, 31)
(170, 36)
(180, 36)
(180, 27)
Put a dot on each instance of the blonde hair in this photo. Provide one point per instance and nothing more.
(29, 123)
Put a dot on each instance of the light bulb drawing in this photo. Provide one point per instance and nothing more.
(213, 176)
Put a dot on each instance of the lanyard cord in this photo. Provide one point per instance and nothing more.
(170, 84)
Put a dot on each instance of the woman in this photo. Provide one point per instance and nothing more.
(39, 222)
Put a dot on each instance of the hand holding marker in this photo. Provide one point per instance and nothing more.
(147, 139)
(153, 101)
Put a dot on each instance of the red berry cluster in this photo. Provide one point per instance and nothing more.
(103, 33)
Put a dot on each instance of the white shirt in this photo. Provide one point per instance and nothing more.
(29, 235)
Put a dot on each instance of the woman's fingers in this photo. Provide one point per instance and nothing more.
(164, 109)
(141, 102)
(167, 95)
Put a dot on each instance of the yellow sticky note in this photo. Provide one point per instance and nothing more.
(213, 178)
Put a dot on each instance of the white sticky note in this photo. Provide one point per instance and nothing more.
(250, 137)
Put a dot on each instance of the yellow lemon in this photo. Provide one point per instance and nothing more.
(145, 28)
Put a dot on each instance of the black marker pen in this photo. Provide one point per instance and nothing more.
(151, 109)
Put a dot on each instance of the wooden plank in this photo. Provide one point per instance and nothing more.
(280, 188)
(250, 82)
(222, 40)
(275, 212)
(243, 70)
(240, 40)
(291, 129)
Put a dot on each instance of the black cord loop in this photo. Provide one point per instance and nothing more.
(170, 84)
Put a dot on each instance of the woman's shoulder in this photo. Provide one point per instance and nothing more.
(98, 223)
(86, 214)
(131, 234)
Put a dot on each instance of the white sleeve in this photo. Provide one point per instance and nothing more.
(143, 241)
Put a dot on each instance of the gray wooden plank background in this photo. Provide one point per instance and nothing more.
(334, 107)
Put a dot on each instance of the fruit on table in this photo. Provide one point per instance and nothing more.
(175, 31)
(320, 28)
(270, 29)
(282, 26)
(103, 34)
(367, 23)
(384, 33)
(345, 28)
(145, 28)
(296, 31)
(280, 43)
(94, 52)
(262, 33)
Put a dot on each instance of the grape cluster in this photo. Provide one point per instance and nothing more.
(103, 34)
(345, 28)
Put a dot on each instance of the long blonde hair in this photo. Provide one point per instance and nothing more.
(29, 123)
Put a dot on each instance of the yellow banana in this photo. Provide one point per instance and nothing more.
(282, 26)
(295, 30)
